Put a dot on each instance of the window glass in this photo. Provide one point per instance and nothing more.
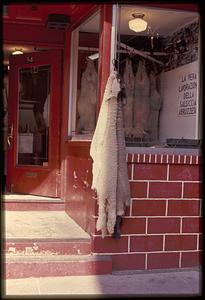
(159, 67)
(33, 115)
(5, 10)
(84, 78)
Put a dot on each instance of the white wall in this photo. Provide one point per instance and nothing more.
(179, 113)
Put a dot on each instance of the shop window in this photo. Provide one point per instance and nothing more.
(160, 71)
(84, 79)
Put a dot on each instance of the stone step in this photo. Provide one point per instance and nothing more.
(51, 232)
(78, 246)
(33, 205)
(41, 225)
(48, 243)
(20, 202)
(24, 266)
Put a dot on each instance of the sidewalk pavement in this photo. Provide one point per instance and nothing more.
(173, 282)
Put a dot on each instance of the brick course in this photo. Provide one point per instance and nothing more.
(128, 261)
(138, 189)
(180, 242)
(110, 245)
(148, 207)
(191, 225)
(146, 243)
(192, 190)
(165, 189)
(184, 173)
(183, 207)
(191, 259)
(150, 172)
(163, 260)
(133, 225)
(163, 225)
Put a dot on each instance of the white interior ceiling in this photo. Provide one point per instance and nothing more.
(161, 21)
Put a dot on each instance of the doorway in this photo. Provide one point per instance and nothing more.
(33, 139)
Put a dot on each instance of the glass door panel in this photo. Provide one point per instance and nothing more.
(33, 116)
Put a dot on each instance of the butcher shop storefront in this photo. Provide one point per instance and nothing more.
(116, 130)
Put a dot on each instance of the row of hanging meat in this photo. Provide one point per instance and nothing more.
(143, 102)
(142, 107)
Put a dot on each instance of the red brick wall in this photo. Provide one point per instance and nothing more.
(162, 227)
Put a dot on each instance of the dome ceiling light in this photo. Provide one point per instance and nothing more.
(137, 24)
(17, 52)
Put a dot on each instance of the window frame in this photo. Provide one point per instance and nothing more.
(73, 75)
(198, 121)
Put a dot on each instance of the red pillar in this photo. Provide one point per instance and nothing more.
(105, 46)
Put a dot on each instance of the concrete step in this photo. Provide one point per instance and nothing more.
(50, 246)
(24, 266)
(38, 232)
(33, 205)
(48, 243)
(20, 202)
(41, 225)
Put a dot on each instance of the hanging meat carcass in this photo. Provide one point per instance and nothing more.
(141, 101)
(110, 178)
(129, 83)
(87, 99)
(155, 106)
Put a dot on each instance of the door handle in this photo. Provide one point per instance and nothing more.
(10, 136)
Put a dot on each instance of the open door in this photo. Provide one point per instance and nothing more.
(34, 124)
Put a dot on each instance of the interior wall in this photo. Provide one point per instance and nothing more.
(180, 85)
(178, 117)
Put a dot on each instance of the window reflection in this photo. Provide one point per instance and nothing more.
(33, 115)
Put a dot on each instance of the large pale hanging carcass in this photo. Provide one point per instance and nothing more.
(110, 178)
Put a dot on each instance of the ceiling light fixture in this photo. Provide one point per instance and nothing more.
(138, 24)
(17, 52)
(94, 56)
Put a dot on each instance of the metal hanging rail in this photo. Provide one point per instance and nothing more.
(135, 51)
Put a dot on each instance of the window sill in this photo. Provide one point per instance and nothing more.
(81, 138)
(144, 150)
(163, 150)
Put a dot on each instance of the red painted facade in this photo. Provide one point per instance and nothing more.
(162, 228)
